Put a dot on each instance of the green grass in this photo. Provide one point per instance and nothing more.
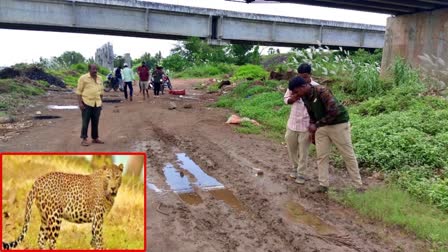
(206, 70)
(14, 93)
(392, 206)
(248, 128)
(214, 88)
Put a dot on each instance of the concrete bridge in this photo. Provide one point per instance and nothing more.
(418, 31)
(154, 20)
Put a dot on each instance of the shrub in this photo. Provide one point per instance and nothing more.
(250, 72)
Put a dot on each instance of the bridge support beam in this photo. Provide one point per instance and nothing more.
(421, 39)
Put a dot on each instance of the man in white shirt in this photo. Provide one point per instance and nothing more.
(297, 136)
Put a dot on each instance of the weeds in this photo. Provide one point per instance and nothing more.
(392, 206)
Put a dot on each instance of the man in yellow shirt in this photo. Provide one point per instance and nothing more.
(90, 96)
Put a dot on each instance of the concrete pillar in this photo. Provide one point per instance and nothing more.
(422, 39)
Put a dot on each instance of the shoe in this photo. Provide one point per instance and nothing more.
(130, 99)
(84, 142)
(300, 180)
(97, 141)
(293, 175)
(319, 189)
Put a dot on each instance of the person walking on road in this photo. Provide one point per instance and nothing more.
(143, 74)
(90, 95)
(157, 76)
(128, 78)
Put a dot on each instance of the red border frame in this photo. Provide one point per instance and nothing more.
(81, 153)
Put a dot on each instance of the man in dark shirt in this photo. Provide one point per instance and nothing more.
(329, 120)
(143, 74)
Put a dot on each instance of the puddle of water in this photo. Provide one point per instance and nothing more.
(177, 181)
(227, 196)
(153, 187)
(203, 180)
(62, 107)
(112, 100)
(298, 213)
(44, 117)
(180, 184)
(191, 198)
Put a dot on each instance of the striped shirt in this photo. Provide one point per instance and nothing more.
(299, 120)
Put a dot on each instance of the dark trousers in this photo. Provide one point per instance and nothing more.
(90, 114)
(157, 87)
(131, 90)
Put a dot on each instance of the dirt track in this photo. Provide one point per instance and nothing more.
(251, 213)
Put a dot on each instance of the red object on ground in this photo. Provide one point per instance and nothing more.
(177, 92)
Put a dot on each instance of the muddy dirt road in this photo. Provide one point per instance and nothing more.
(205, 191)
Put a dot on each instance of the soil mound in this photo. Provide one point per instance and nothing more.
(33, 73)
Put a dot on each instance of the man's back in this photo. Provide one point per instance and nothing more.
(143, 73)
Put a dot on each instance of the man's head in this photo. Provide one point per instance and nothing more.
(143, 63)
(125, 65)
(93, 70)
(299, 86)
(304, 71)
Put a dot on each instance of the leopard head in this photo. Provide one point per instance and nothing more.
(113, 174)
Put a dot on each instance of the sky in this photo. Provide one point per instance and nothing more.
(19, 46)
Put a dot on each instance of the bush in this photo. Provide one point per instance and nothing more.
(250, 72)
(201, 71)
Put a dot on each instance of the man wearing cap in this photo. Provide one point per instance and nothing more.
(128, 78)
(329, 120)
(90, 96)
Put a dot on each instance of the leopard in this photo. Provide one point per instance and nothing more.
(72, 197)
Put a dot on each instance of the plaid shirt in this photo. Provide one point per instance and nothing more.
(324, 108)
(299, 120)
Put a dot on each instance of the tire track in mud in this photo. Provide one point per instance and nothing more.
(262, 227)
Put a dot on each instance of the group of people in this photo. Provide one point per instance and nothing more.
(156, 80)
(317, 117)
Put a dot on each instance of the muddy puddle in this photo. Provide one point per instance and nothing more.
(297, 213)
(203, 180)
(153, 187)
(45, 117)
(62, 107)
(177, 181)
(190, 180)
(228, 197)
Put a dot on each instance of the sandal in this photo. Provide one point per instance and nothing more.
(97, 141)
(85, 142)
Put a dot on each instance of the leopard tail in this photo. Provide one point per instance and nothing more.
(29, 203)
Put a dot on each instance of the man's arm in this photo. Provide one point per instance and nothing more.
(80, 103)
(289, 98)
(79, 90)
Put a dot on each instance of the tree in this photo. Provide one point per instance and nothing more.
(69, 58)
(240, 53)
(175, 62)
(158, 57)
(134, 165)
(118, 61)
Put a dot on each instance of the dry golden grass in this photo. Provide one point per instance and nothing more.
(124, 225)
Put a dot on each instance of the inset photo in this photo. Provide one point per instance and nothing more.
(73, 201)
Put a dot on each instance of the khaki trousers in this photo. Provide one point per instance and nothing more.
(340, 135)
(298, 144)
